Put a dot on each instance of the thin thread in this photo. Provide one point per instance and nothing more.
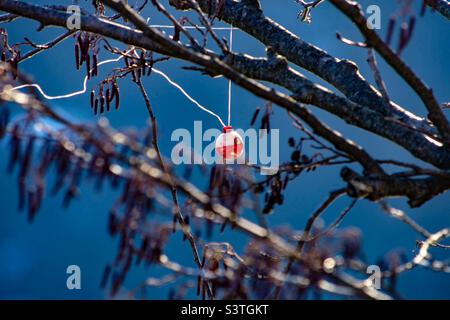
(176, 85)
(69, 95)
(229, 81)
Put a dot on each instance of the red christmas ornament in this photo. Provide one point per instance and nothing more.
(229, 144)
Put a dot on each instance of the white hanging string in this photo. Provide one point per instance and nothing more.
(162, 26)
(173, 83)
(229, 81)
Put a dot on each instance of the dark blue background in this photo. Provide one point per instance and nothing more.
(34, 257)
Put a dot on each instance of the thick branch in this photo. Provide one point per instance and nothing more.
(173, 190)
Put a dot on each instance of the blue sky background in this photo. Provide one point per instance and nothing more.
(34, 257)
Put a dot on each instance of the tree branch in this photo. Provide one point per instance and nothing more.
(418, 191)
(441, 6)
(341, 73)
(435, 113)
